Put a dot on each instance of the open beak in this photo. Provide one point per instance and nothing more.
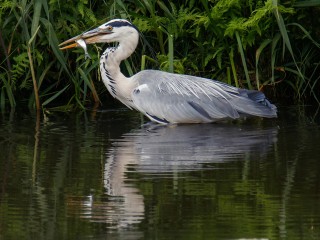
(89, 37)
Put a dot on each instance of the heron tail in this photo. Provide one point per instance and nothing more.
(255, 103)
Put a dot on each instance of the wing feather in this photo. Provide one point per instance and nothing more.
(181, 98)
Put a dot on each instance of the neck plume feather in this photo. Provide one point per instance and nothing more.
(118, 85)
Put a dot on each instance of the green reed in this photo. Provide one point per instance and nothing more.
(250, 44)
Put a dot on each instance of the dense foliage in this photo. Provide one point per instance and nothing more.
(253, 44)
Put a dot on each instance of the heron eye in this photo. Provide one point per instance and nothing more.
(109, 28)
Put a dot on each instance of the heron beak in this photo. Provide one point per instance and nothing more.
(89, 37)
(73, 45)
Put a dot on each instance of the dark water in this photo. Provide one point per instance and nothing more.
(100, 175)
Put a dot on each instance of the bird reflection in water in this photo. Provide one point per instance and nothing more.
(165, 151)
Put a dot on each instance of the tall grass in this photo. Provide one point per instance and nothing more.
(34, 67)
(250, 44)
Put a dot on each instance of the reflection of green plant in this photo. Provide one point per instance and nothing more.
(253, 194)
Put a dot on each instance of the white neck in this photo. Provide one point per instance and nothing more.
(118, 85)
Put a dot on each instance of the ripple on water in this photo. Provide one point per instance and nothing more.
(85, 177)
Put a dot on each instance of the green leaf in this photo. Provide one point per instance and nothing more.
(243, 60)
(307, 3)
(284, 33)
(86, 79)
(258, 53)
(37, 5)
(307, 34)
(275, 41)
(55, 96)
(9, 92)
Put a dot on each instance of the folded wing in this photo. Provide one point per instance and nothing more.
(166, 97)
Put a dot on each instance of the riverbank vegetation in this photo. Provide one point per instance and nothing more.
(255, 44)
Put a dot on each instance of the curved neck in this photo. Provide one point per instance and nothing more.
(112, 57)
(117, 84)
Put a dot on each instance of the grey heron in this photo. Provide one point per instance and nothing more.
(167, 97)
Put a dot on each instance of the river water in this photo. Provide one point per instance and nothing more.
(107, 175)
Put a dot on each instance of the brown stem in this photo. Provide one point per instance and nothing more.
(35, 85)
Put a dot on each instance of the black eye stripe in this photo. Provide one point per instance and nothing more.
(117, 24)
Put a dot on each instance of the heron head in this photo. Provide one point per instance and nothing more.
(116, 30)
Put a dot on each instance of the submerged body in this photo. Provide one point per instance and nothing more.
(166, 97)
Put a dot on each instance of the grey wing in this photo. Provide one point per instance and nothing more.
(174, 98)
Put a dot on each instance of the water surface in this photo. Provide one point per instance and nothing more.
(105, 175)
